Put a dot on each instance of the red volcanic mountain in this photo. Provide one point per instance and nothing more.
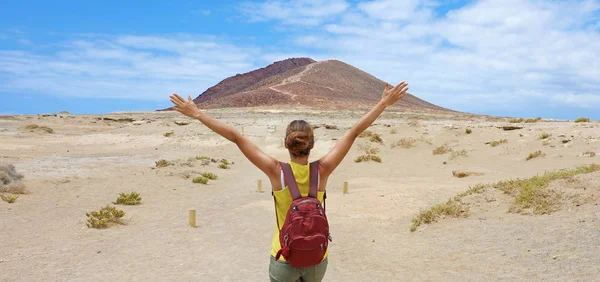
(303, 82)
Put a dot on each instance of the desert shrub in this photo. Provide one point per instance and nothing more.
(163, 163)
(64, 113)
(498, 142)
(468, 131)
(533, 120)
(582, 119)
(532, 192)
(10, 180)
(366, 158)
(366, 133)
(590, 153)
(516, 120)
(545, 143)
(34, 127)
(210, 176)
(534, 155)
(404, 143)
(376, 138)
(450, 208)
(9, 198)
(442, 149)
(545, 135)
(224, 164)
(456, 154)
(370, 153)
(105, 216)
(168, 134)
(205, 160)
(132, 198)
(201, 180)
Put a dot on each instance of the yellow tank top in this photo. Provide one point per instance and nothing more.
(283, 200)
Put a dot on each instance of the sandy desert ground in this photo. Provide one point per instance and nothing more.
(88, 161)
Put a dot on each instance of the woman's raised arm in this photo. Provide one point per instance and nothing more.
(331, 160)
(264, 162)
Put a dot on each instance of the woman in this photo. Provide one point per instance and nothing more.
(299, 141)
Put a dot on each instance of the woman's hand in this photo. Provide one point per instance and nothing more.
(391, 96)
(188, 108)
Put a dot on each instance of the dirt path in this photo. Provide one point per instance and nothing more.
(292, 79)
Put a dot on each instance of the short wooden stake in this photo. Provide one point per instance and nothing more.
(192, 218)
(259, 186)
(242, 129)
(345, 187)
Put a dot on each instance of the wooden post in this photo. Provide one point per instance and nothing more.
(345, 187)
(192, 218)
(259, 186)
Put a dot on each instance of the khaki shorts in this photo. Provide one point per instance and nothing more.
(281, 271)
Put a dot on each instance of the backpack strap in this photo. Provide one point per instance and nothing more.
(288, 174)
(314, 179)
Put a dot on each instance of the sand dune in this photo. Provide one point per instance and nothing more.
(88, 160)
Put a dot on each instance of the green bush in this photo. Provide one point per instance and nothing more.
(103, 217)
(201, 180)
(210, 176)
(132, 198)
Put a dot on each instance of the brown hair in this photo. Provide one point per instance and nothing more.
(299, 138)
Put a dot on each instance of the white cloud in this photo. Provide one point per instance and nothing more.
(519, 51)
(588, 101)
(299, 12)
(138, 67)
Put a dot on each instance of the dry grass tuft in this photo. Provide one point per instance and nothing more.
(456, 154)
(224, 164)
(531, 192)
(35, 127)
(366, 158)
(516, 120)
(163, 163)
(442, 149)
(533, 120)
(582, 119)
(534, 155)
(10, 198)
(590, 153)
(168, 134)
(545, 135)
(132, 198)
(463, 174)
(105, 216)
(210, 176)
(200, 179)
(366, 133)
(450, 208)
(468, 131)
(370, 154)
(405, 143)
(376, 138)
(498, 142)
(528, 193)
(393, 131)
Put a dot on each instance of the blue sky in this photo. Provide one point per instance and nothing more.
(505, 57)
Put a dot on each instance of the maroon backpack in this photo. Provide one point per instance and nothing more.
(305, 233)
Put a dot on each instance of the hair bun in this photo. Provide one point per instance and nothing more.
(297, 142)
(299, 138)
